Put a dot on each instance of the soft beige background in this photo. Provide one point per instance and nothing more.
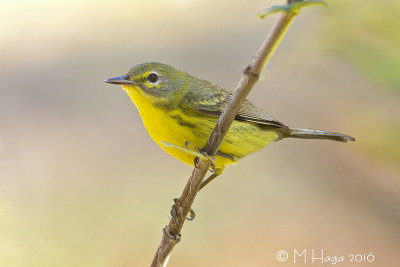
(82, 183)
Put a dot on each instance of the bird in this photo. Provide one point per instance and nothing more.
(179, 109)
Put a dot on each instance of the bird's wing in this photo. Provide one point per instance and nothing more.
(211, 100)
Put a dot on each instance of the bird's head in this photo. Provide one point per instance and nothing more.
(159, 83)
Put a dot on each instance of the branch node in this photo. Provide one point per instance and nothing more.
(172, 238)
(249, 71)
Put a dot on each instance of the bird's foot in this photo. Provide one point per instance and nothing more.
(204, 153)
(176, 212)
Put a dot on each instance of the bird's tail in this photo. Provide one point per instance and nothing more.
(316, 134)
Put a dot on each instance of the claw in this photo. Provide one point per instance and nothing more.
(201, 151)
(233, 158)
(212, 167)
(175, 211)
(192, 215)
(196, 162)
(187, 143)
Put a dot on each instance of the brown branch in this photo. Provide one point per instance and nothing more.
(171, 233)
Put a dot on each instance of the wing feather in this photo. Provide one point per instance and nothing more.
(211, 100)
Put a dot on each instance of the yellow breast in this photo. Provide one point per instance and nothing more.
(161, 126)
(177, 127)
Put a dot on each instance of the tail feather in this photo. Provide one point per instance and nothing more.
(317, 134)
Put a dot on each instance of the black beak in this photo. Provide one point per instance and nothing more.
(119, 80)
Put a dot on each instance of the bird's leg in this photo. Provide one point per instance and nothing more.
(209, 179)
(215, 174)
(212, 168)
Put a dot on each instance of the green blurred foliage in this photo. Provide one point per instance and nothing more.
(367, 34)
(382, 140)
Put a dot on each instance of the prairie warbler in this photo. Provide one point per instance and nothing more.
(178, 108)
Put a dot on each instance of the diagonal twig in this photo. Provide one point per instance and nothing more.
(171, 233)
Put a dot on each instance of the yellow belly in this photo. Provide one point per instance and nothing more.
(242, 138)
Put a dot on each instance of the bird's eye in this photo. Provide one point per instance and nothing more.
(153, 77)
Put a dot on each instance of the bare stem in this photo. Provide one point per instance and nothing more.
(171, 233)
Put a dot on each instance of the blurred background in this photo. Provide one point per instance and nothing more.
(83, 184)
